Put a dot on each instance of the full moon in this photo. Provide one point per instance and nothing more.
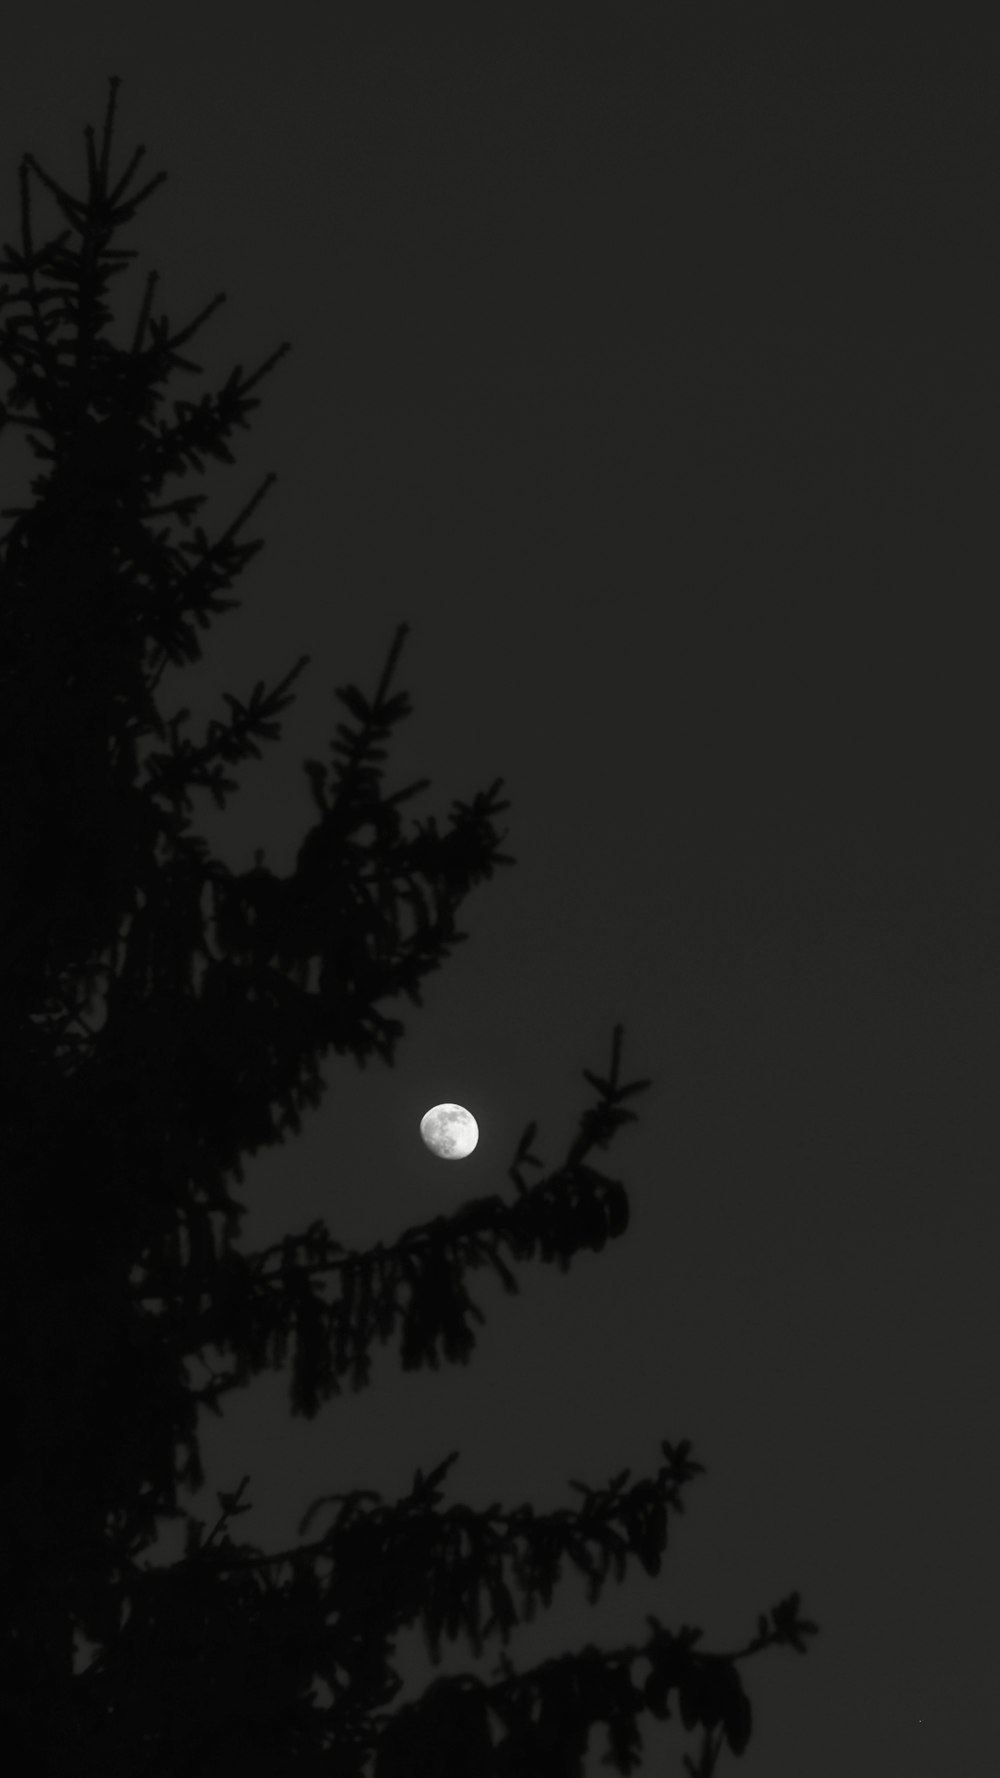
(449, 1131)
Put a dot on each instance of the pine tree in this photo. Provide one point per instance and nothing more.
(162, 1017)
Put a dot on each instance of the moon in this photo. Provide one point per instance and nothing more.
(449, 1131)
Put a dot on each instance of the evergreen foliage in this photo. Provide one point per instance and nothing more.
(162, 1017)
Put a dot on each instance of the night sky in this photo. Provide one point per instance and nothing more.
(645, 362)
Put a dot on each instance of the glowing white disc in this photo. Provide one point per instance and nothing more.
(449, 1131)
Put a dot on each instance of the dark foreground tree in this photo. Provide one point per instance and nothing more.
(161, 1017)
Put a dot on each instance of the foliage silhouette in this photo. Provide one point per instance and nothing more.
(161, 1017)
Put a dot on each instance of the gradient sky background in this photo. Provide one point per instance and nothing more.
(645, 361)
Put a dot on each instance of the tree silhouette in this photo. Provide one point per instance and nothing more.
(161, 1017)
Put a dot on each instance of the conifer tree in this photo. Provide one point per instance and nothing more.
(161, 1018)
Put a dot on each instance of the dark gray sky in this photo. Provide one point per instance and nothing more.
(645, 362)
